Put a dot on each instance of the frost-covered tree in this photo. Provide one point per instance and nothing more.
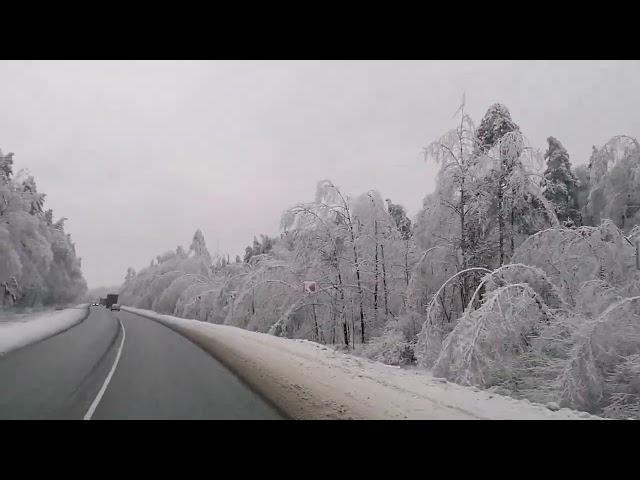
(166, 256)
(131, 273)
(561, 324)
(495, 124)
(455, 152)
(399, 215)
(452, 216)
(145, 288)
(486, 203)
(614, 183)
(582, 188)
(48, 217)
(404, 227)
(259, 247)
(560, 184)
(199, 246)
(511, 193)
(325, 233)
(336, 275)
(6, 166)
(38, 262)
(495, 128)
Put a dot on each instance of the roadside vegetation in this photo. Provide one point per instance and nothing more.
(520, 274)
(38, 262)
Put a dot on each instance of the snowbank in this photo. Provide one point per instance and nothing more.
(307, 380)
(22, 316)
(28, 330)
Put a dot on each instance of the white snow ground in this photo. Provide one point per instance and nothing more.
(23, 315)
(29, 329)
(307, 380)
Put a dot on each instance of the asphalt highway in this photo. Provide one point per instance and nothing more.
(116, 366)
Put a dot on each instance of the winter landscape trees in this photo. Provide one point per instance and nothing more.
(522, 330)
(614, 183)
(38, 263)
(518, 274)
(560, 184)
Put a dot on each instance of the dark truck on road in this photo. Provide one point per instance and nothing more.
(112, 298)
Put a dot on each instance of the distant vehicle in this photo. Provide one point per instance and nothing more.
(111, 299)
(115, 306)
(95, 304)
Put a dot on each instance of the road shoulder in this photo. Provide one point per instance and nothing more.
(15, 335)
(307, 380)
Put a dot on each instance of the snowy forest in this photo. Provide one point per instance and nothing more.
(38, 262)
(520, 273)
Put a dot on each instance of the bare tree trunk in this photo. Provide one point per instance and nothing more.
(384, 284)
(253, 302)
(406, 261)
(511, 232)
(315, 322)
(346, 334)
(375, 275)
(463, 247)
(342, 309)
(501, 225)
(347, 216)
(353, 325)
(361, 294)
(334, 323)
(463, 235)
(334, 327)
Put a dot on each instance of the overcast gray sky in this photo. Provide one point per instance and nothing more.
(138, 155)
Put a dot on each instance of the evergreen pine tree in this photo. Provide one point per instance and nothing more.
(560, 184)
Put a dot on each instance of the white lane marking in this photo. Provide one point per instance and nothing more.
(96, 400)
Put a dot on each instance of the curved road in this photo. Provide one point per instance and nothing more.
(117, 365)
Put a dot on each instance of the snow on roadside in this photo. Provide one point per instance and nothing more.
(32, 329)
(307, 380)
(26, 316)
